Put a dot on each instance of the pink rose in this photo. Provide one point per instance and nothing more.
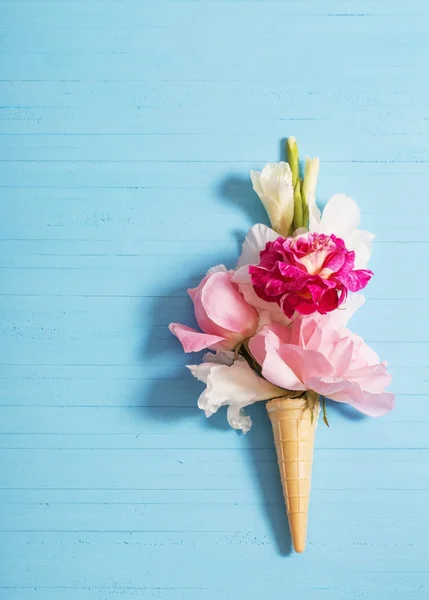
(312, 354)
(222, 313)
(310, 273)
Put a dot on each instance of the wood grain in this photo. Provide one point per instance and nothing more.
(127, 132)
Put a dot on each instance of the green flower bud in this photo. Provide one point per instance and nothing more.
(293, 158)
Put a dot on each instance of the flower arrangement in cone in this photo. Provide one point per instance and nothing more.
(276, 324)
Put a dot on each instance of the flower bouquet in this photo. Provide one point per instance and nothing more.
(277, 324)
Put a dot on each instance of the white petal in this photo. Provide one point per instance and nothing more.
(255, 242)
(300, 231)
(361, 242)
(314, 217)
(274, 187)
(340, 216)
(242, 275)
(200, 372)
(217, 269)
(255, 176)
(204, 404)
(311, 173)
(273, 174)
(236, 386)
(221, 357)
(238, 419)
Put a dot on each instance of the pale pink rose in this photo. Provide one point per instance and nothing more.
(307, 274)
(314, 354)
(222, 313)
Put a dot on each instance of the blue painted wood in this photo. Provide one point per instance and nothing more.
(128, 129)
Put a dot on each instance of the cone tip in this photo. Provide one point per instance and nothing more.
(298, 529)
(299, 546)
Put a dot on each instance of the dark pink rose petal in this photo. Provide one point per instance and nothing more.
(357, 280)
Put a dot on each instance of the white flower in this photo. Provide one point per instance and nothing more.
(274, 187)
(234, 385)
(341, 216)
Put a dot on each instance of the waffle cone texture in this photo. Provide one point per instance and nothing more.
(294, 432)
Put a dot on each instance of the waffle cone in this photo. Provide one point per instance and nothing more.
(294, 432)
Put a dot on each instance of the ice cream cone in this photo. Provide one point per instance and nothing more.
(294, 431)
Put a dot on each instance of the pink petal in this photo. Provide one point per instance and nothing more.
(348, 265)
(335, 261)
(226, 307)
(275, 334)
(316, 288)
(341, 356)
(305, 306)
(295, 276)
(290, 302)
(275, 312)
(266, 284)
(192, 340)
(376, 405)
(257, 347)
(297, 330)
(206, 324)
(192, 292)
(274, 369)
(332, 386)
(328, 302)
(312, 335)
(357, 280)
(305, 363)
(349, 392)
(374, 379)
(301, 331)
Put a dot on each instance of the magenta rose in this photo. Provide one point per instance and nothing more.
(310, 273)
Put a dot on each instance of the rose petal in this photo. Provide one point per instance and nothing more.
(357, 280)
(305, 363)
(226, 307)
(194, 341)
(372, 379)
(348, 392)
(277, 371)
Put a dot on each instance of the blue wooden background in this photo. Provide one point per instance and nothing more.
(128, 129)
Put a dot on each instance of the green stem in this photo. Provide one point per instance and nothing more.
(325, 417)
(293, 158)
(297, 198)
